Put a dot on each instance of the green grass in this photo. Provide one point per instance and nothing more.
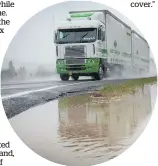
(129, 86)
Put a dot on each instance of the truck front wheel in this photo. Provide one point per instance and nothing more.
(100, 74)
(64, 77)
(75, 77)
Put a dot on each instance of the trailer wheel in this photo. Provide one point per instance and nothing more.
(100, 74)
(75, 77)
(64, 77)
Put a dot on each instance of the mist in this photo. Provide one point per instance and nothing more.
(32, 49)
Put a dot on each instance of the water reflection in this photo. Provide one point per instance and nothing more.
(102, 129)
(83, 130)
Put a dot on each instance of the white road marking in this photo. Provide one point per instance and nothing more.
(39, 90)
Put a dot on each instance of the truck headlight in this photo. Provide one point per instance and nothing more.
(90, 61)
(60, 61)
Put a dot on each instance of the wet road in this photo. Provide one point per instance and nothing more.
(12, 89)
(83, 130)
(16, 88)
(17, 98)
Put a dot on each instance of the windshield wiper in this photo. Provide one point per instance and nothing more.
(60, 40)
(66, 36)
(83, 36)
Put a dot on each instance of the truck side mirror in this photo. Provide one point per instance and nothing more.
(99, 34)
(55, 37)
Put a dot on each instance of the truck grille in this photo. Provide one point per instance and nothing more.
(75, 61)
(75, 51)
(75, 55)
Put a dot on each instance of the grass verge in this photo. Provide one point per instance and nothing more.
(129, 86)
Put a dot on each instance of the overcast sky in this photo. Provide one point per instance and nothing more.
(33, 44)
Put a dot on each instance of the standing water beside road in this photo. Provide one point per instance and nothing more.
(85, 130)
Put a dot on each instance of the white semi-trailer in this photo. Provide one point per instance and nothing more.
(90, 43)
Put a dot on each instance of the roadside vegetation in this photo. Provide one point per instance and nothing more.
(130, 86)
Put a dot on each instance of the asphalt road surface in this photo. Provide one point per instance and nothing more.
(19, 89)
(18, 97)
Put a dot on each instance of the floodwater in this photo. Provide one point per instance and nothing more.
(83, 130)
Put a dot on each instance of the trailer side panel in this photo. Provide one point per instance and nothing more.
(118, 42)
(140, 51)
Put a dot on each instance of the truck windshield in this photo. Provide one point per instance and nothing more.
(84, 35)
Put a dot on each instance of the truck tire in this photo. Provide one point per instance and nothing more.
(100, 74)
(75, 77)
(64, 77)
(105, 72)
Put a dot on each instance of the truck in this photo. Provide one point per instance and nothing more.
(95, 43)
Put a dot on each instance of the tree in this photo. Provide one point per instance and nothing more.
(12, 69)
(22, 72)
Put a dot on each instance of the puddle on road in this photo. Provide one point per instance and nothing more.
(81, 130)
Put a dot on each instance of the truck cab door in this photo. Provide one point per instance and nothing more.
(101, 45)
